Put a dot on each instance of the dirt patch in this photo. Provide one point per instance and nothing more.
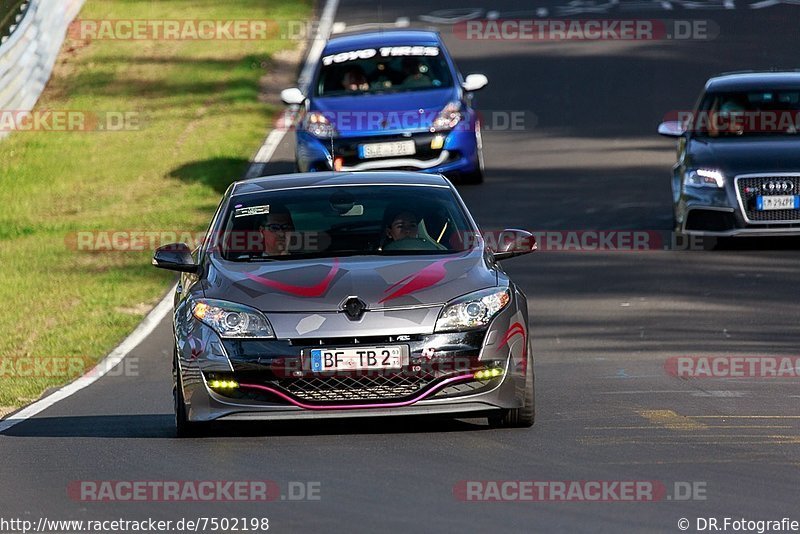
(138, 309)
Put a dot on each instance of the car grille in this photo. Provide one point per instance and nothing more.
(749, 188)
(356, 387)
(347, 148)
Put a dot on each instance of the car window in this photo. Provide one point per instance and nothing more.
(747, 113)
(383, 70)
(337, 221)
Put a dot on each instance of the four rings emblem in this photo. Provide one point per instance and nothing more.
(777, 186)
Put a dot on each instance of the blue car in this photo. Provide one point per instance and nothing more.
(389, 100)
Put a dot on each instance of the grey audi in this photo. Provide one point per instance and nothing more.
(324, 295)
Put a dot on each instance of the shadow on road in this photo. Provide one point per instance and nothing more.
(161, 426)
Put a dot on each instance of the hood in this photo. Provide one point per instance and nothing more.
(744, 156)
(355, 116)
(322, 285)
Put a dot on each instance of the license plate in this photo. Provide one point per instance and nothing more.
(778, 202)
(387, 150)
(359, 358)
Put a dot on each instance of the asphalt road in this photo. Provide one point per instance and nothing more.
(604, 325)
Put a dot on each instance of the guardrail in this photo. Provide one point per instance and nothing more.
(11, 12)
(27, 56)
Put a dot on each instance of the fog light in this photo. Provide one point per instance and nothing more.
(223, 384)
(488, 374)
(338, 163)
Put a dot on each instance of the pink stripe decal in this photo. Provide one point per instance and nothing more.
(424, 278)
(358, 406)
(316, 290)
(512, 331)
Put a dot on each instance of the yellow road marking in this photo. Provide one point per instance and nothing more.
(671, 420)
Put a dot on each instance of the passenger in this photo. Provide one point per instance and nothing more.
(403, 225)
(354, 80)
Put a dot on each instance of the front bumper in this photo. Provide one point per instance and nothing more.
(458, 153)
(273, 378)
(731, 211)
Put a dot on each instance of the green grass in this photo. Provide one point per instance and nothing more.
(201, 121)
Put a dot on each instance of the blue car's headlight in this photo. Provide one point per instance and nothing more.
(474, 310)
(318, 125)
(448, 118)
(229, 319)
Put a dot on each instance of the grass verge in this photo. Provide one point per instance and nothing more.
(195, 119)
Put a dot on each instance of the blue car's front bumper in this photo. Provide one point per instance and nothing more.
(458, 154)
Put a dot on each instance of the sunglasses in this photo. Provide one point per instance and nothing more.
(275, 227)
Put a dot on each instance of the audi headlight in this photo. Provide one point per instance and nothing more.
(474, 310)
(318, 125)
(705, 178)
(229, 319)
(448, 118)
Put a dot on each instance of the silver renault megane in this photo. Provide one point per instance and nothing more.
(348, 294)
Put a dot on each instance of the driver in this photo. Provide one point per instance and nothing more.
(274, 228)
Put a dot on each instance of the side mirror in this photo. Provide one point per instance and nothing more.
(671, 129)
(473, 82)
(511, 243)
(293, 96)
(175, 257)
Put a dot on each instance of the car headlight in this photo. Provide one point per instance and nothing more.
(229, 319)
(705, 178)
(474, 310)
(448, 118)
(318, 125)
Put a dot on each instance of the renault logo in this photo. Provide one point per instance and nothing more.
(777, 186)
(354, 308)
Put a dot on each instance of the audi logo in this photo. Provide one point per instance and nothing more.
(777, 186)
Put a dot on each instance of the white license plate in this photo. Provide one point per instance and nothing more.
(778, 202)
(387, 150)
(359, 358)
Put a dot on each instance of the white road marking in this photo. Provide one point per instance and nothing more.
(164, 307)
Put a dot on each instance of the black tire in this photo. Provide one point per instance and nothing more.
(525, 415)
(472, 178)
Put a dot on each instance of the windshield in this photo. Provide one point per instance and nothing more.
(750, 113)
(388, 69)
(343, 221)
